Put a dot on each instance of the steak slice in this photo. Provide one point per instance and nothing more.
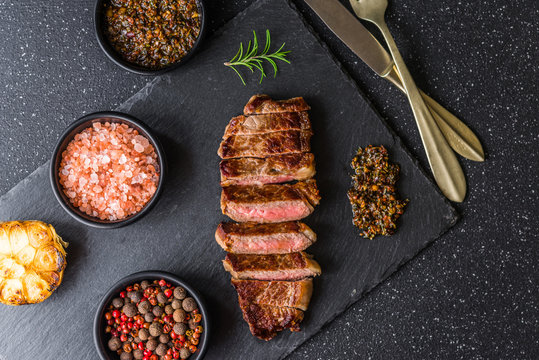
(264, 123)
(295, 294)
(249, 238)
(292, 266)
(270, 170)
(263, 104)
(266, 321)
(270, 203)
(262, 145)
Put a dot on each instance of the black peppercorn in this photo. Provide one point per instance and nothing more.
(158, 310)
(164, 338)
(138, 354)
(151, 344)
(189, 304)
(179, 315)
(118, 303)
(180, 293)
(144, 307)
(156, 329)
(161, 349)
(176, 304)
(129, 310)
(126, 356)
(161, 298)
(135, 296)
(180, 328)
(115, 344)
(184, 353)
(148, 317)
(144, 334)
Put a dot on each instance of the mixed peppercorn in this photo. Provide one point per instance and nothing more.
(375, 204)
(152, 33)
(153, 321)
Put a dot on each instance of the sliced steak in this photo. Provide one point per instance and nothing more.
(264, 123)
(263, 104)
(262, 145)
(249, 238)
(292, 266)
(266, 321)
(270, 203)
(270, 170)
(295, 294)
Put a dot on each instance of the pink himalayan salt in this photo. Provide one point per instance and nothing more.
(103, 173)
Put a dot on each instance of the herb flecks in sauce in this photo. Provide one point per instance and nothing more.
(375, 204)
(152, 33)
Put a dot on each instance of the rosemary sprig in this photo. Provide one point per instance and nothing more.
(252, 60)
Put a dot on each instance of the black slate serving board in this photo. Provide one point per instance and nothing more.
(189, 110)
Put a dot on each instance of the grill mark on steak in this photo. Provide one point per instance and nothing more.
(292, 266)
(295, 294)
(263, 104)
(249, 238)
(264, 123)
(262, 145)
(269, 170)
(270, 203)
(266, 321)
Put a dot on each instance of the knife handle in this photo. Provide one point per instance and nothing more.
(444, 164)
(458, 135)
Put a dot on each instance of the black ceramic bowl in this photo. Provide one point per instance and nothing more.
(65, 139)
(137, 69)
(101, 338)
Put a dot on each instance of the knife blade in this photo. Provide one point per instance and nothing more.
(362, 43)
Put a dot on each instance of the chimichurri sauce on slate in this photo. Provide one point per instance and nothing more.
(152, 33)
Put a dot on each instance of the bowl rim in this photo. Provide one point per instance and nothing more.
(148, 275)
(77, 126)
(137, 69)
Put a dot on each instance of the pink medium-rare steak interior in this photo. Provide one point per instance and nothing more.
(296, 294)
(269, 170)
(263, 104)
(262, 145)
(292, 266)
(278, 238)
(270, 203)
(264, 123)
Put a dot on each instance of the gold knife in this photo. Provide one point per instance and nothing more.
(354, 35)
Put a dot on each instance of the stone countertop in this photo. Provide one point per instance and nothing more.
(473, 293)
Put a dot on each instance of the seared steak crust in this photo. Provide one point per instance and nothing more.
(263, 104)
(292, 266)
(264, 123)
(270, 203)
(262, 145)
(266, 321)
(270, 170)
(249, 238)
(295, 294)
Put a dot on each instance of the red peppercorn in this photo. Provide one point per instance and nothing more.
(147, 352)
(168, 357)
(162, 282)
(141, 345)
(169, 284)
(123, 338)
(110, 322)
(194, 341)
(192, 348)
(129, 288)
(116, 313)
(154, 357)
(181, 338)
(117, 321)
(196, 335)
(108, 316)
(168, 292)
(123, 317)
(123, 294)
(197, 318)
(173, 335)
(129, 325)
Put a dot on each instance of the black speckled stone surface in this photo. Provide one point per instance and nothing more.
(473, 294)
